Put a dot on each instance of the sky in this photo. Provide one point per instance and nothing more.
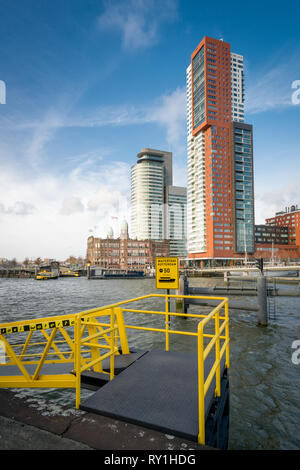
(86, 84)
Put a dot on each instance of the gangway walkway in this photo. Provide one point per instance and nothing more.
(184, 394)
(159, 391)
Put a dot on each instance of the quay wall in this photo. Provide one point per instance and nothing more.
(32, 423)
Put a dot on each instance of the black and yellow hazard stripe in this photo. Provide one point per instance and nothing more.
(36, 326)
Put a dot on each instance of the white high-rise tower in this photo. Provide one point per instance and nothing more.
(158, 209)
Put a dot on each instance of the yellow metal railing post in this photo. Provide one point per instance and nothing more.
(122, 330)
(77, 357)
(201, 407)
(94, 347)
(112, 344)
(227, 334)
(167, 323)
(217, 349)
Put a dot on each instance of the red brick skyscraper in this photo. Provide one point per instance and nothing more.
(220, 212)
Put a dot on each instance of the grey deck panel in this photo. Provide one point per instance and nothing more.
(158, 391)
(122, 361)
(47, 369)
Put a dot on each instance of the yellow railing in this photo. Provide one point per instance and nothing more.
(37, 349)
(96, 331)
(203, 353)
(105, 329)
(74, 347)
(220, 325)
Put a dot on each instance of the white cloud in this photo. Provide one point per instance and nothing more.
(170, 112)
(106, 116)
(61, 208)
(18, 208)
(43, 132)
(167, 111)
(271, 86)
(71, 205)
(60, 224)
(269, 202)
(138, 21)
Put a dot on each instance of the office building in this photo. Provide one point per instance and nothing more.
(158, 209)
(176, 220)
(220, 207)
(149, 177)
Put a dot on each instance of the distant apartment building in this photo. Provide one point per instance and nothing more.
(220, 199)
(290, 218)
(158, 209)
(280, 236)
(271, 234)
(124, 253)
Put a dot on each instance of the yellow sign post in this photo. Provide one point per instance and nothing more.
(167, 273)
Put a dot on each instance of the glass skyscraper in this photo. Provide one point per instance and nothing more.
(243, 187)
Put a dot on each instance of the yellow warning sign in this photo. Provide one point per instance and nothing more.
(167, 273)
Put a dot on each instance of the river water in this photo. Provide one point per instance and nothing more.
(264, 381)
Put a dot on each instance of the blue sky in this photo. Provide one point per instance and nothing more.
(89, 83)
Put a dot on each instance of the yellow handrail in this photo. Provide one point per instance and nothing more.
(111, 332)
(203, 386)
(215, 370)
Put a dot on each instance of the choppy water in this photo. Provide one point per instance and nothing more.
(264, 382)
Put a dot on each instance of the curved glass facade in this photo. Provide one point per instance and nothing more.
(147, 198)
(158, 209)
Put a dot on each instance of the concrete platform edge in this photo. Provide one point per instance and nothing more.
(52, 427)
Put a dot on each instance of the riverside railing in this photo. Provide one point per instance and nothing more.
(84, 335)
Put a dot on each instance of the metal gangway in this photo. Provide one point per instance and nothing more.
(67, 351)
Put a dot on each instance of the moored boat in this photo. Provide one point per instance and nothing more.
(46, 272)
(69, 273)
